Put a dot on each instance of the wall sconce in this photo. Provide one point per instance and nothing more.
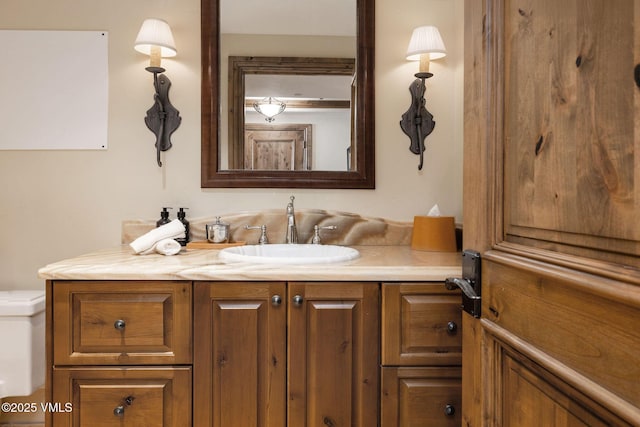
(269, 108)
(155, 39)
(425, 45)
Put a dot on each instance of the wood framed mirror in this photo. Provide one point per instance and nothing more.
(360, 150)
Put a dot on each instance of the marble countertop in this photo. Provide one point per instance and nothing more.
(376, 263)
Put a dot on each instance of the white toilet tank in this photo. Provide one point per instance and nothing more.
(22, 354)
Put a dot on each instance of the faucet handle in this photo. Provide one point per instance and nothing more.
(316, 233)
(263, 240)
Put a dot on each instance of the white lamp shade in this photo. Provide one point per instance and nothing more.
(155, 32)
(269, 110)
(426, 40)
(269, 107)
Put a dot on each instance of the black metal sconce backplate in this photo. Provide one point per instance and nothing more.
(417, 123)
(162, 118)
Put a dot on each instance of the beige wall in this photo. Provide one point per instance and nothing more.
(59, 204)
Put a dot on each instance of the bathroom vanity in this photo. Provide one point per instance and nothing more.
(189, 340)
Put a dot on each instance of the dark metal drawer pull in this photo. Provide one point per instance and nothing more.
(119, 324)
(452, 328)
(449, 410)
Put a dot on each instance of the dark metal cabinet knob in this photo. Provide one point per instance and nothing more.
(297, 300)
(449, 410)
(119, 324)
(452, 328)
(118, 411)
(276, 300)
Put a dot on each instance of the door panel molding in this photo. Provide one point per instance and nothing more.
(591, 282)
(502, 344)
(580, 320)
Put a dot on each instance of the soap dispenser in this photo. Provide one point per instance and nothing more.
(187, 236)
(164, 217)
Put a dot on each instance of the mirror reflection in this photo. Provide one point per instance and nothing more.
(294, 84)
(295, 114)
(317, 107)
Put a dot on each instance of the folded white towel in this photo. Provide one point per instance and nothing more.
(167, 247)
(146, 243)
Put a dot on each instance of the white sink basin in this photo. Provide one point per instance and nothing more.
(289, 254)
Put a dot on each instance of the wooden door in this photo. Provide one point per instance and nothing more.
(552, 203)
(240, 354)
(333, 354)
(277, 147)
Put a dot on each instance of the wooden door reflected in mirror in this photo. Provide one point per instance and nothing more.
(278, 147)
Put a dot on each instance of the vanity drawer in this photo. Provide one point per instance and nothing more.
(421, 397)
(122, 323)
(121, 397)
(421, 325)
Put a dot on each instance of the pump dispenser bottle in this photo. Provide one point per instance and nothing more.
(187, 236)
(164, 217)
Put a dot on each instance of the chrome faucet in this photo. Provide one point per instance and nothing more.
(292, 232)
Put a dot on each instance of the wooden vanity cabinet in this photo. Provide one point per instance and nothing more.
(262, 354)
(421, 355)
(276, 354)
(119, 353)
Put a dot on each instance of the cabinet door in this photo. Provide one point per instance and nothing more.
(239, 354)
(421, 325)
(333, 354)
(421, 397)
(121, 397)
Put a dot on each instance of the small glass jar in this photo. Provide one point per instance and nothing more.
(217, 232)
